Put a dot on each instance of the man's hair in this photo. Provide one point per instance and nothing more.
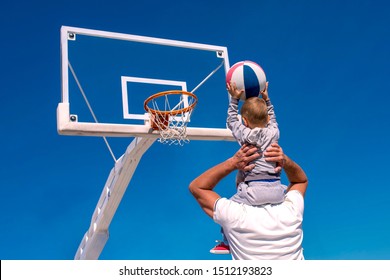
(255, 111)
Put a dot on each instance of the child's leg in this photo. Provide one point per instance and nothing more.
(224, 239)
(240, 177)
(265, 192)
(222, 247)
(241, 195)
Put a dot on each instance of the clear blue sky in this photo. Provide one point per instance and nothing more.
(327, 62)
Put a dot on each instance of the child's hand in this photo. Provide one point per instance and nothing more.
(233, 91)
(264, 93)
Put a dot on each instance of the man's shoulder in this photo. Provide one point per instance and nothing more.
(228, 212)
(226, 209)
(294, 201)
(294, 193)
(222, 203)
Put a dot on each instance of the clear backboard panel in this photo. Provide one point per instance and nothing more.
(106, 77)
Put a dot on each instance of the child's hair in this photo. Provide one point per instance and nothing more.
(255, 111)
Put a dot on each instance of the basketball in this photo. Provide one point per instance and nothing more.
(248, 76)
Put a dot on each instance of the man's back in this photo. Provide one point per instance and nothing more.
(267, 232)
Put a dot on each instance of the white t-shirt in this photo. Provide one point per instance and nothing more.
(266, 232)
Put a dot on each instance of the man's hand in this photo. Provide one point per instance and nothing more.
(274, 153)
(264, 93)
(234, 91)
(245, 155)
(202, 187)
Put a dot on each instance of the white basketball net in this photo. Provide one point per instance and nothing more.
(170, 114)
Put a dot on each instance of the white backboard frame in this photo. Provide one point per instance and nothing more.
(66, 125)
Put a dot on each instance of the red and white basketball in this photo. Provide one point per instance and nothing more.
(249, 76)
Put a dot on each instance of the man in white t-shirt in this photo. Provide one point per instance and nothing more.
(264, 232)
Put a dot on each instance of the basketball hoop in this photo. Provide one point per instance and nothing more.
(170, 113)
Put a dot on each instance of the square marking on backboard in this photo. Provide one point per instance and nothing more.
(125, 93)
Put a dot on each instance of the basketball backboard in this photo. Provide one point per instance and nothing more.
(106, 77)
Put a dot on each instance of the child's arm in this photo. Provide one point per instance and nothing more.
(234, 124)
(272, 118)
(242, 133)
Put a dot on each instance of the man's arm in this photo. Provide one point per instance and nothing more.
(295, 174)
(202, 187)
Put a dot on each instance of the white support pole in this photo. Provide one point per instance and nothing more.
(97, 235)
